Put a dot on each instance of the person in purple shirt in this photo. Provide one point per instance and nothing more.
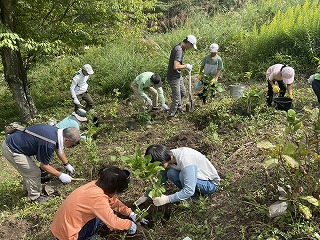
(20, 147)
(188, 169)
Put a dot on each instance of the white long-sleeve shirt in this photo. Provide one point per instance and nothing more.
(79, 84)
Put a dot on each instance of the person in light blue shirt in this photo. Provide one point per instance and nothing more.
(74, 120)
(188, 169)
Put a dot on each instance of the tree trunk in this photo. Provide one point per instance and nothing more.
(14, 70)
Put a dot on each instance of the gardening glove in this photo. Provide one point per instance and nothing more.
(141, 200)
(189, 67)
(65, 178)
(133, 216)
(275, 89)
(76, 101)
(290, 96)
(149, 101)
(68, 167)
(165, 106)
(133, 229)
(159, 201)
(213, 80)
(199, 76)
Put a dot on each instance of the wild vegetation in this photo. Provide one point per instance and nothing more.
(268, 159)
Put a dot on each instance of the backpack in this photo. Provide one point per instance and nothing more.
(12, 127)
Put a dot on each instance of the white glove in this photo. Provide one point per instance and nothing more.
(141, 200)
(133, 216)
(133, 229)
(76, 101)
(69, 167)
(65, 178)
(159, 201)
(165, 106)
(149, 101)
(189, 67)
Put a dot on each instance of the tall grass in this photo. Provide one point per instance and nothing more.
(292, 36)
(249, 40)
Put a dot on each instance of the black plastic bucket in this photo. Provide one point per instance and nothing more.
(283, 103)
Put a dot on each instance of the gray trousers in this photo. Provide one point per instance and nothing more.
(26, 166)
(150, 90)
(178, 91)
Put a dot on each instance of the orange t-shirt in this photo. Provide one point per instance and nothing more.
(82, 205)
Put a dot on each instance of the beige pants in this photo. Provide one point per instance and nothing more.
(151, 91)
(26, 166)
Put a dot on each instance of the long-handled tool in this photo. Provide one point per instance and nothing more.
(191, 103)
(78, 179)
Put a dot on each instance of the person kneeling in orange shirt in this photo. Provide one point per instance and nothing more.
(92, 205)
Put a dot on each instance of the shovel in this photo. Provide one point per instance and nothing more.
(191, 102)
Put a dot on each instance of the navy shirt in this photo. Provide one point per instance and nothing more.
(29, 145)
(177, 54)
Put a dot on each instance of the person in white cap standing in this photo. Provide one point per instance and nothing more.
(284, 76)
(174, 73)
(210, 70)
(79, 88)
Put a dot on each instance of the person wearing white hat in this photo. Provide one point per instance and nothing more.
(284, 76)
(210, 70)
(74, 120)
(79, 88)
(174, 73)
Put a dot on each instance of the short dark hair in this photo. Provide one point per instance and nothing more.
(155, 78)
(159, 153)
(113, 180)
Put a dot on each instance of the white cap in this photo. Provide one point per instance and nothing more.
(214, 48)
(88, 69)
(287, 75)
(192, 39)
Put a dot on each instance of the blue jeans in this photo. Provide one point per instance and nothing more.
(203, 187)
(90, 229)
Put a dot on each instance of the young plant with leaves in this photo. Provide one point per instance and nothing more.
(294, 164)
(144, 169)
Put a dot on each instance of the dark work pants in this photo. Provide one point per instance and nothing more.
(87, 98)
(316, 88)
(90, 229)
(283, 89)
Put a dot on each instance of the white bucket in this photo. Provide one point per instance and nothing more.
(236, 91)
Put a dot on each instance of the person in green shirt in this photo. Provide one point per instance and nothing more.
(149, 82)
(314, 80)
(209, 72)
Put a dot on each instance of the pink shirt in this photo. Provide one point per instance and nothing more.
(84, 204)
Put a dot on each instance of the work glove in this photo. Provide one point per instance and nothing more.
(275, 89)
(65, 178)
(213, 80)
(290, 96)
(159, 201)
(199, 76)
(76, 101)
(165, 106)
(141, 200)
(68, 167)
(133, 216)
(133, 229)
(149, 101)
(189, 67)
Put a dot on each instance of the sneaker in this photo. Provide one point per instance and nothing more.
(42, 199)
